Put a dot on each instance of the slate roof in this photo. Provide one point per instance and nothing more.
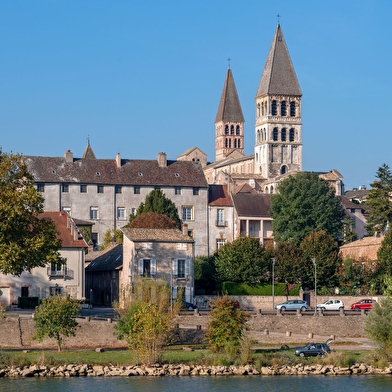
(63, 224)
(105, 171)
(109, 259)
(251, 204)
(218, 196)
(279, 76)
(347, 203)
(229, 109)
(156, 235)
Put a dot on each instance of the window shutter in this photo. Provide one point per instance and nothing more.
(140, 266)
(187, 266)
(153, 267)
(174, 292)
(175, 267)
(188, 294)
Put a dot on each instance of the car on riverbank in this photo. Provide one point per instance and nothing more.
(293, 304)
(331, 304)
(363, 304)
(313, 349)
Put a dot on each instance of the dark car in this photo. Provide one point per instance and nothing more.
(188, 306)
(313, 349)
(365, 304)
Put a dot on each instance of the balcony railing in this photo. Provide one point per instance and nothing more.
(221, 223)
(64, 272)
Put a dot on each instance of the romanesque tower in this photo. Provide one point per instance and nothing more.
(278, 143)
(229, 121)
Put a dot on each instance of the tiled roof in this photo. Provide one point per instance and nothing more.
(229, 109)
(218, 196)
(156, 235)
(105, 171)
(245, 188)
(365, 248)
(279, 75)
(250, 204)
(63, 224)
(347, 203)
(109, 259)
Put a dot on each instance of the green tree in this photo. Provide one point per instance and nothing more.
(378, 326)
(325, 250)
(227, 325)
(204, 272)
(243, 260)
(305, 203)
(26, 241)
(378, 201)
(384, 258)
(55, 318)
(289, 265)
(157, 202)
(111, 236)
(147, 318)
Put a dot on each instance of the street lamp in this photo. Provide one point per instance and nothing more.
(273, 282)
(315, 284)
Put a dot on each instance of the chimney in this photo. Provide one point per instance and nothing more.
(118, 160)
(68, 156)
(76, 234)
(162, 161)
(185, 229)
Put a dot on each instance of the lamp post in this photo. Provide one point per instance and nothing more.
(315, 284)
(273, 282)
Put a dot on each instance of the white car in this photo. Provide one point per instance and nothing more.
(331, 304)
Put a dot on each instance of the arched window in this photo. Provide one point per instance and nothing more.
(226, 143)
(283, 136)
(291, 135)
(226, 129)
(275, 135)
(229, 143)
(283, 169)
(258, 110)
(292, 108)
(235, 143)
(232, 130)
(239, 143)
(265, 137)
(274, 111)
(237, 130)
(283, 111)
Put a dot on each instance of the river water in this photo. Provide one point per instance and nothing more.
(368, 383)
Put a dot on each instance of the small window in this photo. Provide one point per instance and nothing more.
(283, 136)
(187, 213)
(118, 189)
(100, 189)
(219, 243)
(220, 217)
(182, 246)
(64, 188)
(275, 134)
(274, 111)
(292, 135)
(237, 130)
(93, 212)
(196, 191)
(147, 245)
(292, 109)
(190, 233)
(147, 267)
(133, 211)
(136, 190)
(232, 130)
(177, 190)
(121, 213)
(226, 129)
(83, 188)
(283, 109)
(41, 187)
(181, 268)
(283, 169)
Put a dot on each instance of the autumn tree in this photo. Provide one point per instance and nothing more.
(379, 202)
(55, 318)
(26, 241)
(157, 202)
(243, 260)
(305, 203)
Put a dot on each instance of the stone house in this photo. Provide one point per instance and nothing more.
(166, 254)
(42, 282)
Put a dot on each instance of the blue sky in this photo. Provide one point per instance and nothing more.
(140, 77)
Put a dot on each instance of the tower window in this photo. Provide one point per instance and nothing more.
(283, 137)
(292, 109)
(275, 135)
(229, 143)
(232, 130)
(291, 135)
(226, 129)
(283, 110)
(235, 143)
(274, 111)
(239, 143)
(283, 169)
(237, 130)
(226, 143)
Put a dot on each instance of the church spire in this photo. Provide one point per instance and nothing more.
(229, 121)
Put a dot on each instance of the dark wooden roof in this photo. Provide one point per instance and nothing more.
(252, 205)
(109, 259)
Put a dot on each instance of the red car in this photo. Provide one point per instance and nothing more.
(366, 304)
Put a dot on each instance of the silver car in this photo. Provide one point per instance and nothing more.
(293, 304)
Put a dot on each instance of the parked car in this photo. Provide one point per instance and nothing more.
(188, 306)
(366, 304)
(331, 304)
(293, 304)
(313, 349)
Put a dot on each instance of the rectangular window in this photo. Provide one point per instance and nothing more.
(93, 212)
(121, 213)
(133, 211)
(147, 267)
(83, 188)
(196, 191)
(147, 245)
(41, 187)
(64, 188)
(187, 213)
(100, 189)
(136, 190)
(177, 190)
(181, 268)
(220, 217)
(182, 246)
(118, 189)
(219, 243)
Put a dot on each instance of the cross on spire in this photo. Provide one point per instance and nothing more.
(278, 16)
(228, 61)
